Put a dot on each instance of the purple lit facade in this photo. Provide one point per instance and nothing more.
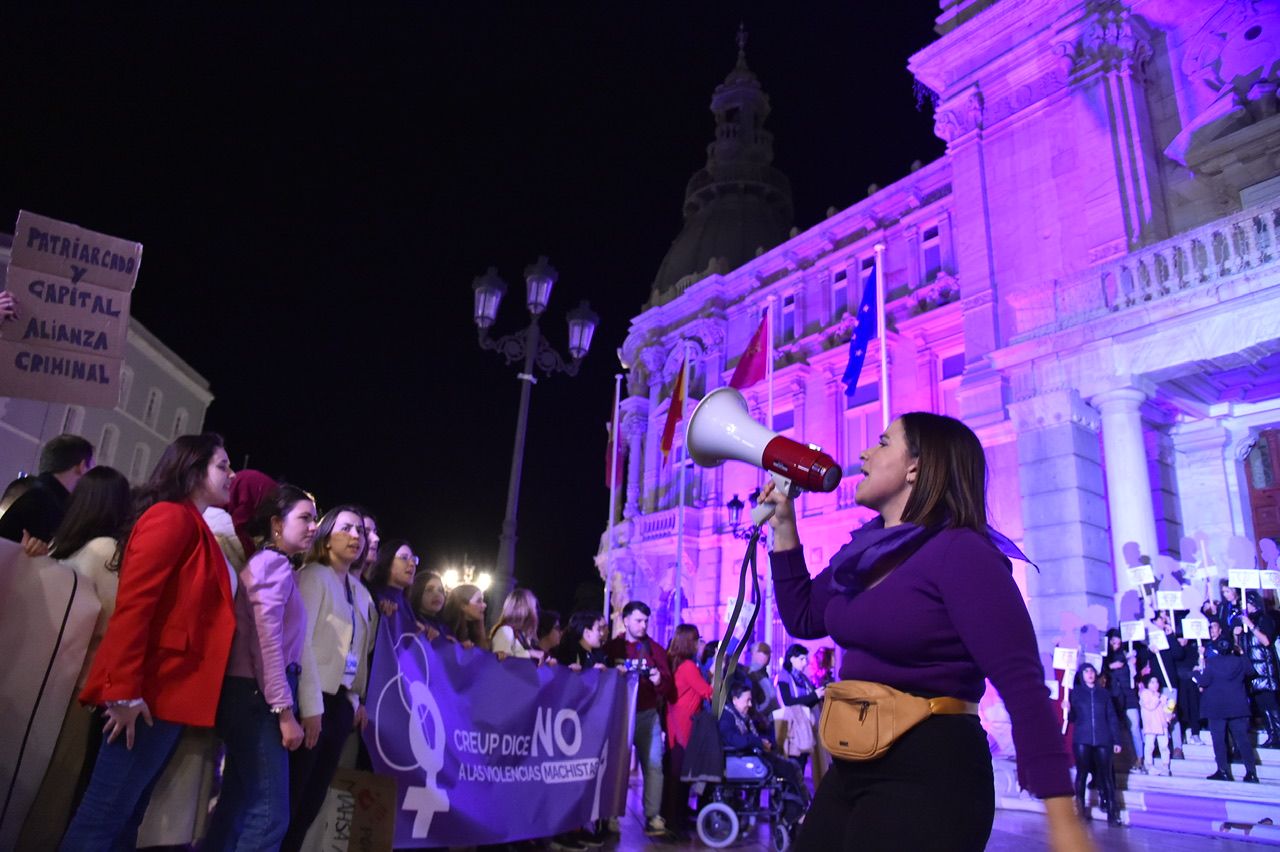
(1090, 278)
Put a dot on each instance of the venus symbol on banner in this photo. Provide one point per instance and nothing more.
(427, 744)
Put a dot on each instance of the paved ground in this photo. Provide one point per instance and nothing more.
(1014, 832)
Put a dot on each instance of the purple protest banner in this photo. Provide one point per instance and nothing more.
(486, 751)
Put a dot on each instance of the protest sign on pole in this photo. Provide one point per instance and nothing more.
(1141, 575)
(72, 287)
(1065, 658)
(486, 751)
(1133, 631)
(1195, 628)
(1169, 600)
(1270, 579)
(1094, 660)
(1157, 640)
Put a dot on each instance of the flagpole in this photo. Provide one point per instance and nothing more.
(613, 498)
(884, 337)
(684, 384)
(768, 575)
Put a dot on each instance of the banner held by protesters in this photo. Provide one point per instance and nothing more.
(487, 751)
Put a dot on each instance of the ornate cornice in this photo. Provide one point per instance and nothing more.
(1113, 40)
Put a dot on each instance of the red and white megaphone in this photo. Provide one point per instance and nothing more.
(721, 429)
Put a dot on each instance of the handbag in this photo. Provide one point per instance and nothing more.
(861, 719)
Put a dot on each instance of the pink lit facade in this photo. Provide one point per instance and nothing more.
(1090, 278)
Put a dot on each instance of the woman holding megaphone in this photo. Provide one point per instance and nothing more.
(924, 604)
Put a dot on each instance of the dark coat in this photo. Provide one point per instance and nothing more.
(1094, 717)
(1223, 695)
(1261, 658)
(39, 511)
(732, 737)
(1119, 681)
(1171, 656)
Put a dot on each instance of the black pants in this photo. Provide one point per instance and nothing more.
(1096, 760)
(1239, 728)
(934, 789)
(1188, 707)
(311, 769)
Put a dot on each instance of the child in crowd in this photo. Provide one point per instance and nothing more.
(1155, 724)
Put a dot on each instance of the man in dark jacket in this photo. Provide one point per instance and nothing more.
(1257, 637)
(1095, 738)
(1225, 704)
(63, 460)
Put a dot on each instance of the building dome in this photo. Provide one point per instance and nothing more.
(738, 203)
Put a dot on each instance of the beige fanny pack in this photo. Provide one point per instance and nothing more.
(861, 719)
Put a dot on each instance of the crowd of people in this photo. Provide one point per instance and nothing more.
(1148, 701)
(231, 602)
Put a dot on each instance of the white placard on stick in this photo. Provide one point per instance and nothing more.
(1094, 660)
(1141, 575)
(1169, 600)
(1195, 628)
(1244, 578)
(1270, 579)
(1133, 631)
(1065, 658)
(1157, 640)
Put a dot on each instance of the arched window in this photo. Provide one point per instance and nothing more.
(179, 422)
(152, 413)
(107, 445)
(140, 466)
(126, 385)
(73, 420)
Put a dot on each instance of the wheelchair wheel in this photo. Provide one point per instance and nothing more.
(717, 825)
(781, 838)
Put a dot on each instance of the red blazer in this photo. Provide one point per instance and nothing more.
(169, 639)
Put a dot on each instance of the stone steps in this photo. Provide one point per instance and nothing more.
(1185, 802)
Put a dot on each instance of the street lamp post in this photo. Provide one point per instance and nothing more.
(737, 530)
(532, 348)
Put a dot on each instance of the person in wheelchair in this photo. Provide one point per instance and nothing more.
(738, 733)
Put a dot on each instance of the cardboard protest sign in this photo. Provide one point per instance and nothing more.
(55, 375)
(1141, 575)
(1244, 578)
(1158, 640)
(77, 254)
(1195, 628)
(58, 314)
(358, 814)
(1169, 600)
(748, 609)
(1065, 658)
(72, 287)
(1094, 660)
(1133, 631)
(1270, 579)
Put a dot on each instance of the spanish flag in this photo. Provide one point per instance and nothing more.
(751, 366)
(675, 413)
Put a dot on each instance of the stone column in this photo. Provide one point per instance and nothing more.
(1064, 513)
(634, 427)
(1206, 490)
(1128, 477)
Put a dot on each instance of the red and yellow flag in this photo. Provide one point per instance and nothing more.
(674, 414)
(751, 366)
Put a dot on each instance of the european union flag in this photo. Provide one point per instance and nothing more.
(864, 330)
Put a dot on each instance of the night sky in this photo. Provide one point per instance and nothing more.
(315, 191)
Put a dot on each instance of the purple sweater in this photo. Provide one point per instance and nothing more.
(940, 621)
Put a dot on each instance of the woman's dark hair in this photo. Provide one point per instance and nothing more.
(455, 618)
(737, 686)
(319, 551)
(419, 586)
(580, 622)
(684, 645)
(183, 467)
(708, 651)
(100, 505)
(379, 576)
(548, 620)
(277, 503)
(795, 650)
(951, 483)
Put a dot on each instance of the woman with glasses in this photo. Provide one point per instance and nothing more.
(389, 580)
(342, 622)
